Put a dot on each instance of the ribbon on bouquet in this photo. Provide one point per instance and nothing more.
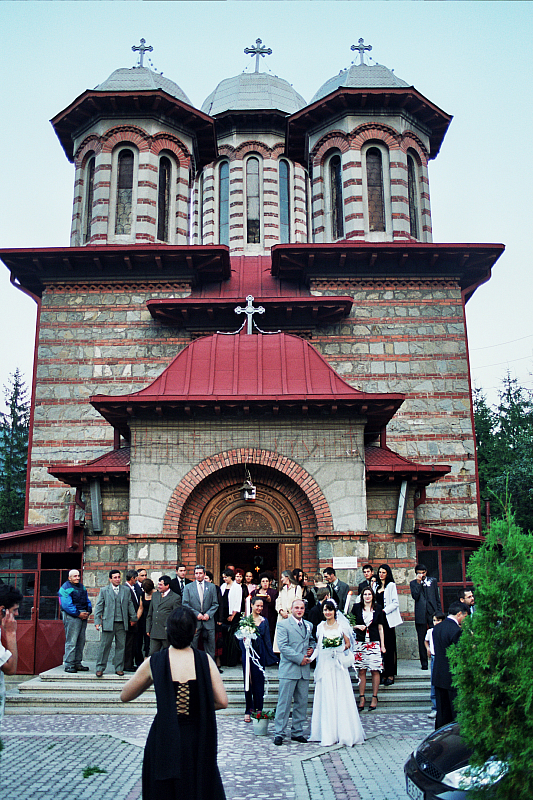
(251, 656)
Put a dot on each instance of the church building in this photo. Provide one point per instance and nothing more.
(252, 350)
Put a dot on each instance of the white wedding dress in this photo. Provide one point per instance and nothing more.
(335, 718)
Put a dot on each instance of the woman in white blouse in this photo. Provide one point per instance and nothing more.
(289, 592)
(387, 598)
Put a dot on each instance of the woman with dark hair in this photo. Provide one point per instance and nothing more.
(268, 595)
(369, 644)
(181, 749)
(249, 581)
(335, 716)
(230, 614)
(145, 599)
(307, 595)
(387, 598)
(265, 656)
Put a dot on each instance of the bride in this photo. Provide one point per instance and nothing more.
(335, 716)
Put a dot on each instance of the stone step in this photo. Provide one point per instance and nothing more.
(57, 692)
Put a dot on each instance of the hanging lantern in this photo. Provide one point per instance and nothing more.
(248, 490)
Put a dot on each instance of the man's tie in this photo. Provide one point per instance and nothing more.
(201, 594)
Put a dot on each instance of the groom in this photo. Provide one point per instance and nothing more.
(294, 635)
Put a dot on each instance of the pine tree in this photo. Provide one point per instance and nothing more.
(13, 455)
(491, 663)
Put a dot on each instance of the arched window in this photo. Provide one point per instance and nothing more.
(253, 202)
(163, 198)
(335, 197)
(89, 199)
(223, 203)
(284, 202)
(374, 186)
(412, 193)
(124, 205)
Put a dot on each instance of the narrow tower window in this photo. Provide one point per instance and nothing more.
(163, 199)
(89, 199)
(412, 191)
(374, 184)
(284, 202)
(123, 214)
(223, 203)
(335, 180)
(253, 218)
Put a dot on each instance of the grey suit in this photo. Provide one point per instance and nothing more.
(104, 615)
(156, 620)
(293, 643)
(191, 599)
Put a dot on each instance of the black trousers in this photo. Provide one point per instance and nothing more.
(421, 630)
(445, 699)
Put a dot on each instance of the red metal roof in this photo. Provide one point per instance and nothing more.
(115, 463)
(469, 537)
(383, 461)
(253, 371)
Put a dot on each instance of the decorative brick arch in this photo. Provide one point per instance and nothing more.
(165, 141)
(225, 469)
(410, 141)
(226, 151)
(123, 134)
(364, 133)
(333, 139)
(253, 147)
(90, 145)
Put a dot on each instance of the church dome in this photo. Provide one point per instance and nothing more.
(360, 76)
(141, 79)
(251, 91)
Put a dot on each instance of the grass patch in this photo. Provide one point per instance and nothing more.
(88, 771)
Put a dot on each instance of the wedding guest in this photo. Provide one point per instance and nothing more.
(230, 614)
(387, 598)
(181, 750)
(369, 645)
(266, 657)
(219, 635)
(269, 597)
(249, 581)
(148, 587)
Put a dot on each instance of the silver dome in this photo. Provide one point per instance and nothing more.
(360, 76)
(142, 79)
(253, 90)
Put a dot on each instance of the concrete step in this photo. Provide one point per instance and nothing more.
(57, 692)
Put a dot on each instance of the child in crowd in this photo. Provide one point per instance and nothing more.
(431, 654)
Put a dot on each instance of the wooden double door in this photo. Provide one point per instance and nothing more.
(260, 536)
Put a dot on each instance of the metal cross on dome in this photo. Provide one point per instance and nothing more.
(142, 50)
(249, 310)
(257, 51)
(361, 47)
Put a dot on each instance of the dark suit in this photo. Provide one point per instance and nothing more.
(131, 651)
(445, 634)
(427, 604)
(176, 587)
(366, 585)
(339, 593)
(156, 621)
(209, 606)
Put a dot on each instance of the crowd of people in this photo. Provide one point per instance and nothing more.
(179, 635)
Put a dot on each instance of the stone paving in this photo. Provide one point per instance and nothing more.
(45, 756)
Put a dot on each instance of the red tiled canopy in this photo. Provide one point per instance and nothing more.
(381, 462)
(266, 372)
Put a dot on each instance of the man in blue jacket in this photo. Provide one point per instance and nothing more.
(75, 610)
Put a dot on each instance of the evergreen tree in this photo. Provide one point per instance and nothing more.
(13, 455)
(491, 663)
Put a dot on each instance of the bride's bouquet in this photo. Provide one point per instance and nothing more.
(247, 628)
(328, 643)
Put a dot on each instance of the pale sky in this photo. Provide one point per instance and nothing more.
(472, 59)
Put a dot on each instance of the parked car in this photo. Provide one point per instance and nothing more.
(439, 768)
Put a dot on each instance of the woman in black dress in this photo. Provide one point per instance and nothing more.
(180, 757)
(145, 600)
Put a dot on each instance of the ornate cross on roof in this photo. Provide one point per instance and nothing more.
(142, 49)
(249, 310)
(258, 51)
(361, 47)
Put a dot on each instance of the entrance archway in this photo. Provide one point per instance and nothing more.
(265, 535)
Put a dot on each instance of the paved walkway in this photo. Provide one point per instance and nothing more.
(45, 756)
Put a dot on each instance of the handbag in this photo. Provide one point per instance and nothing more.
(347, 658)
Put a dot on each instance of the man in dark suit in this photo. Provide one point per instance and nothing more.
(179, 583)
(445, 634)
(466, 596)
(132, 651)
(337, 589)
(201, 597)
(164, 601)
(369, 581)
(114, 612)
(425, 593)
